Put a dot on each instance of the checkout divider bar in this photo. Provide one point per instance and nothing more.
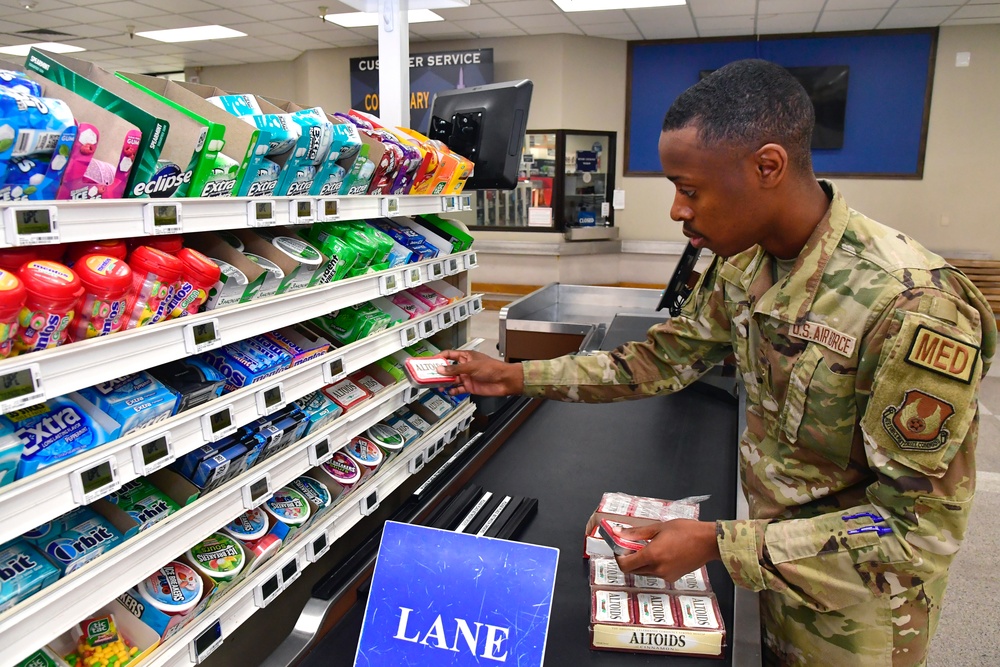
(50, 493)
(238, 604)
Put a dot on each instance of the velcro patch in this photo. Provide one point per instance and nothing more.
(829, 338)
(943, 354)
(917, 424)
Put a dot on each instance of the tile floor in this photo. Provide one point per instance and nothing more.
(969, 633)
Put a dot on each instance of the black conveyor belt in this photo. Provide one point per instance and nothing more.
(567, 455)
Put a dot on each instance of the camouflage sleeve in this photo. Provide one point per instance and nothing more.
(917, 398)
(674, 354)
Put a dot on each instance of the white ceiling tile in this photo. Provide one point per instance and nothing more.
(983, 21)
(275, 12)
(724, 32)
(279, 52)
(716, 23)
(978, 11)
(568, 30)
(789, 6)
(483, 26)
(708, 8)
(94, 44)
(371, 32)
(261, 28)
(102, 30)
(34, 19)
(468, 13)
(129, 10)
(553, 22)
(668, 31)
(330, 37)
(167, 49)
(775, 24)
(843, 5)
(864, 19)
(300, 24)
(916, 17)
(500, 32)
(182, 6)
(224, 17)
(928, 3)
(440, 31)
(596, 18)
(167, 21)
(12, 27)
(663, 23)
(527, 8)
(74, 15)
(613, 30)
(299, 42)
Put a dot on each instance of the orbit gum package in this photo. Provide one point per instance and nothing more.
(81, 543)
(23, 572)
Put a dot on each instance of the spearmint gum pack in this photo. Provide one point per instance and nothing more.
(36, 136)
(344, 148)
(144, 503)
(58, 429)
(248, 361)
(135, 401)
(81, 543)
(309, 152)
(23, 572)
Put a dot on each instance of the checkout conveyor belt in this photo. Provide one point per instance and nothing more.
(567, 455)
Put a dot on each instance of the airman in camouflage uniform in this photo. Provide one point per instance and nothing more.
(862, 368)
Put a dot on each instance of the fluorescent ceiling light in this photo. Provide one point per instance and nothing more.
(199, 33)
(366, 19)
(598, 5)
(54, 47)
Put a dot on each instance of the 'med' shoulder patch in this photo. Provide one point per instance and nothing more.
(943, 354)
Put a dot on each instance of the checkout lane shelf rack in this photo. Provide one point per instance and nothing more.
(64, 369)
(49, 493)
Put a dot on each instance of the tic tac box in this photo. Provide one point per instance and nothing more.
(184, 157)
(153, 129)
(130, 628)
(657, 623)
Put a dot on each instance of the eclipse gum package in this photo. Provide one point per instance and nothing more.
(656, 623)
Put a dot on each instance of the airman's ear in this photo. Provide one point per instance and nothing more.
(771, 164)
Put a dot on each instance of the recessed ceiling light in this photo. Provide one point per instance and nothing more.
(199, 33)
(366, 19)
(54, 47)
(598, 5)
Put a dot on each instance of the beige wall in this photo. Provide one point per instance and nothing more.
(580, 84)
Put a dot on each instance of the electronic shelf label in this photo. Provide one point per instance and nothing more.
(471, 261)
(95, 481)
(265, 592)
(202, 336)
(31, 225)
(462, 311)
(20, 387)
(320, 452)
(159, 218)
(436, 270)
(290, 571)
(416, 464)
(390, 283)
(412, 276)
(301, 211)
(318, 546)
(453, 265)
(334, 370)
(257, 491)
(329, 210)
(466, 202)
(260, 213)
(217, 425)
(206, 643)
(389, 207)
(428, 327)
(370, 502)
(446, 319)
(152, 454)
(271, 399)
(409, 336)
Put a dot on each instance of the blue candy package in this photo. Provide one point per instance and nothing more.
(194, 381)
(10, 452)
(81, 543)
(248, 361)
(58, 429)
(320, 411)
(19, 83)
(215, 470)
(36, 137)
(51, 529)
(23, 572)
(135, 401)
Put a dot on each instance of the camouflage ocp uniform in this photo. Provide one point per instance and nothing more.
(862, 369)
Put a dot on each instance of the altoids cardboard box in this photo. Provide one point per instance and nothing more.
(130, 628)
(257, 145)
(212, 245)
(153, 128)
(185, 159)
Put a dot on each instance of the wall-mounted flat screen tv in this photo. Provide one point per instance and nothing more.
(827, 88)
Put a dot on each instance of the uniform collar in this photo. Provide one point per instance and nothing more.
(791, 299)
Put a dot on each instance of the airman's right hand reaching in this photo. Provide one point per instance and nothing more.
(476, 373)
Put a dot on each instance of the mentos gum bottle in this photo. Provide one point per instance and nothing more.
(154, 274)
(108, 247)
(53, 291)
(198, 275)
(12, 259)
(168, 243)
(19, 83)
(12, 296)
(106, 281)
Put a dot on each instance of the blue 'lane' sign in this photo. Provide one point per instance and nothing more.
(444, 598)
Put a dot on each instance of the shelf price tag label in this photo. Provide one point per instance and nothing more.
(329, 210)
(301, 212)
(605, 209)
(36, 225)
(454, 266)
(152, 454)
(206, 643)
(257, 491)
(409, 336)
(412, 276)
(462, 311)
(431, 451)
(318, 546)
(390, 283)
(202, 336)
(267, 591)
(161, 219)
(446, 319)
(334, 370)
(466, 202)
(390, 207)
(450, 204)
(412, 393)
(437, 270)
(416, 463)
(428, 327)
(290, 571)
(320, 452)
(20, 387)
(477, 305)
(260, 213)
(95, 481)
(471, 261)
(370, 502)
(271, 399)
(217, 425)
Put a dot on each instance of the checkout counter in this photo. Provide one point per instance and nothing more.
(567, 455)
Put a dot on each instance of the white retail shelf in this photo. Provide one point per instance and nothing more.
(67, 368)
(111, 219)
(42, 617)
(49, 493)
(238, 604)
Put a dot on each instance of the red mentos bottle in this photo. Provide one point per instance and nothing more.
(53, 292)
